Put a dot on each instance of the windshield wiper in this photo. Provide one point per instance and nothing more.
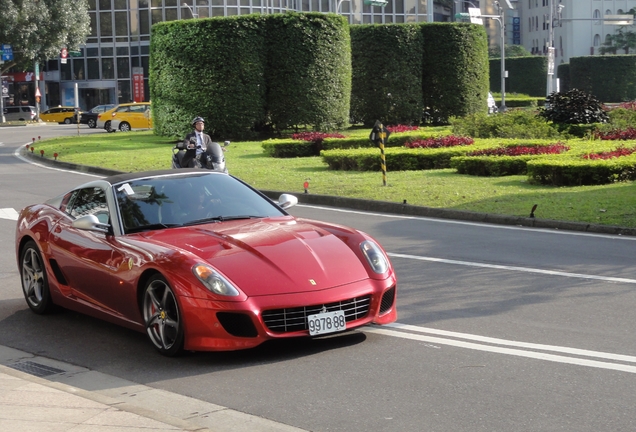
(151, 227)
(220, 218)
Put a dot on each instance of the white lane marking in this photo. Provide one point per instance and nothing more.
(17, 154)
(479, 224)
(8, 213)
(496, 341)
(502, 350)
(513, 268)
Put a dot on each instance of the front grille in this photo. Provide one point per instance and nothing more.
(295, 319)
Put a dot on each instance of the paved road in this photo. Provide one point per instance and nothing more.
(500, 328)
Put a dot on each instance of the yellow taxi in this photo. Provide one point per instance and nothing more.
(126, 117)
(59, 114)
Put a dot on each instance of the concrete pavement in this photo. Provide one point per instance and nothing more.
(38, 394)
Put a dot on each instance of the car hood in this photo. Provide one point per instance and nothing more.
(271, 256)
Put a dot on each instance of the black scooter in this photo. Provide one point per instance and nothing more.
(208, 160)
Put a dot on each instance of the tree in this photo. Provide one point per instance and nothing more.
(622, 39)
(38, 29)
(511, 51)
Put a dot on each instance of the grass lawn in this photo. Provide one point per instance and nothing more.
(613, 204)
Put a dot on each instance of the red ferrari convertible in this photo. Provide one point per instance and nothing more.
(199, 260)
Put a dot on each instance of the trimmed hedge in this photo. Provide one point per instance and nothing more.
(386, 74)
(247, 71)
(578, 172)
(308, 72)
(527, 75)
(212, 68)
(455, 70)
(494, 166)
(610, 78)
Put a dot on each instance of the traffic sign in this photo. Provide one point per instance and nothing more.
(7, 52)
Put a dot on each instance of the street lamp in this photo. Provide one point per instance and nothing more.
(194, 15)
(501, 19)
(551, 48)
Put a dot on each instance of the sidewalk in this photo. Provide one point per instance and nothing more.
(30, 404)
(39, 394)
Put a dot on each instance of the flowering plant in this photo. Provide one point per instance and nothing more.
(618, 152)
(522, 150)
(438, 142)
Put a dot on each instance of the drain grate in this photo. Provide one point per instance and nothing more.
(37, 369)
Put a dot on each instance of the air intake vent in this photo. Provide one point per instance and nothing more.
(388, 299)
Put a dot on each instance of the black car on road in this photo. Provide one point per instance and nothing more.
(90, 117)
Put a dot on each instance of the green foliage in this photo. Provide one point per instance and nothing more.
(619, 118)
(491, 166)
(37, 30)
(212, 68)
(229, 71)
(525, 75)
(573, 107)
(308, 72)
(512, 51)
(386, 74)
(608, 78)
(576, 172)
(455, 70)
(510, 124)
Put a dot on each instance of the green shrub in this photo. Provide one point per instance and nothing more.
(510, 124)
(560, 171)
(490, 165)
(573, 107)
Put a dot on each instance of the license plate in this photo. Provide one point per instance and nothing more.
(326, 322)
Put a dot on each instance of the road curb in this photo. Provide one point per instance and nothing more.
(391, 207)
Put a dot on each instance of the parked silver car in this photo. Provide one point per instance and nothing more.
(19, 113)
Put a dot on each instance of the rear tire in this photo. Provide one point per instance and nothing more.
(68, 121)
(35, 284)
(91, 123)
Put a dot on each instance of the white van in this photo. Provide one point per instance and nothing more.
(19, 113)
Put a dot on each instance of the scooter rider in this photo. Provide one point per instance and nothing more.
(201, 151)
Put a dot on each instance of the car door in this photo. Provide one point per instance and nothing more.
(91, 261)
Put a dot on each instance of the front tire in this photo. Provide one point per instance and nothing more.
(107, 127)
(68, 121)
(162, 317)
(124, 127)
(35, 284)
(92, 123)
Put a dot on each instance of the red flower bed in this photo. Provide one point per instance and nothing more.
(445, 141)
(631, 105)
(620, 151)
(401, 128)
(315, 136)
(617, 134)
(522, 150)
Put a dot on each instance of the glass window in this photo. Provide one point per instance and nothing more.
(143, 4)
(156, 3)
(92, 5)
(121, 4)
(89, 201)
(105, 24)
(399, 7)
(52, 65)
(78, 69)
(171, 3)
(123, 67)
(171, 14)
(145, 49)
(108, 68)
(93, 18)
(156, 16)
(107, 52)
(93, 68)
(121, 23)
(65, 71)
(92, 52)
(105, 5)
(123, 91)
(144, 23)
(122, 51)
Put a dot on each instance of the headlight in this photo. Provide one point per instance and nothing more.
(376, 258)
(214, 281)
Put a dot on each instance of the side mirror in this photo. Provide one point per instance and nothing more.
(286, 201)
(90, 223)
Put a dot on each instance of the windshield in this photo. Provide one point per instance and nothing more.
(164, 202)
